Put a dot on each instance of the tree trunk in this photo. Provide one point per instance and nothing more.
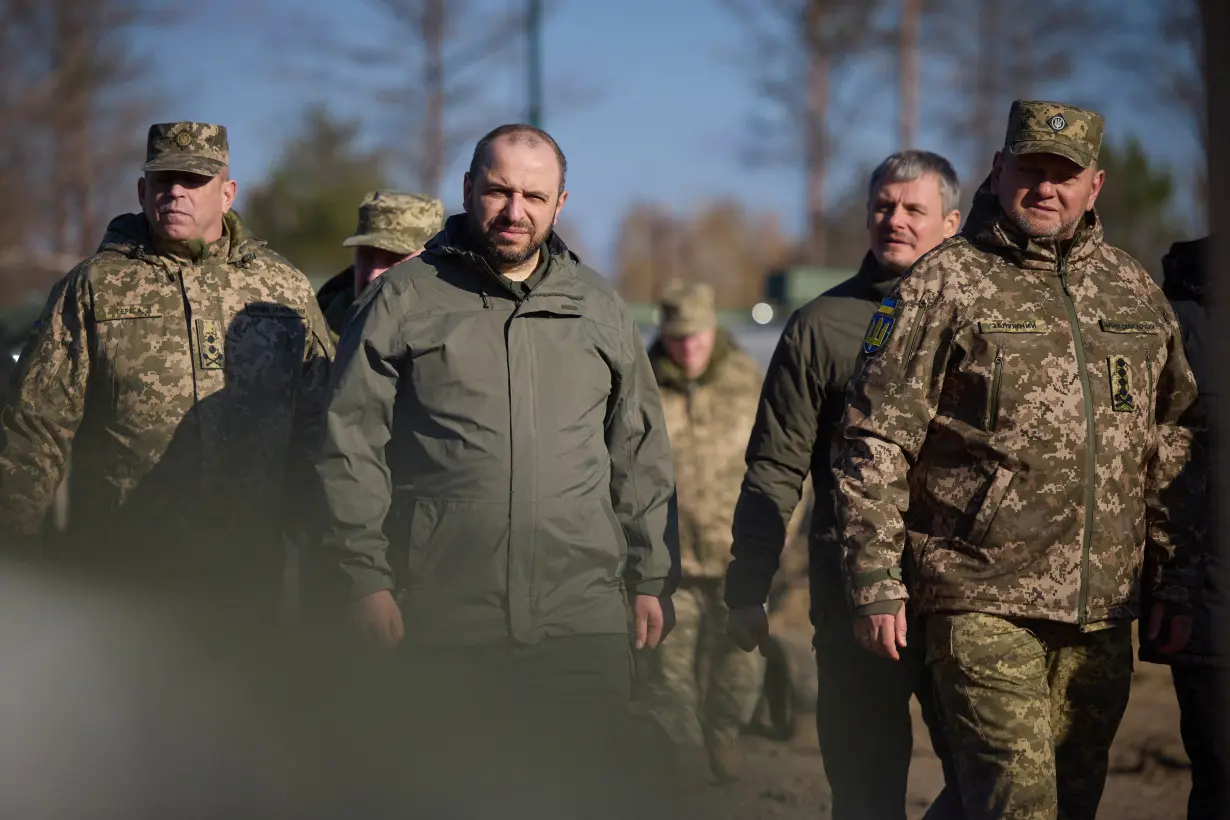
(907, 78)
(431, 160)
(815, 129)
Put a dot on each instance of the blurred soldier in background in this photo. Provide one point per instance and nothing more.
(698, 685)
(393, 227)
(1201, 680)
(1020, 432)
(863, 706)
(184, 366)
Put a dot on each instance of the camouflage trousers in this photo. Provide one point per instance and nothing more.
(697, 685)
(1030, 709)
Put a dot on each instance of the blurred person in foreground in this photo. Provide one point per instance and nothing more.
(496, 463)
(184, 367)
(1201, 679)
(863, 704)
(1019, 434)
(393, 227)
(699, 687)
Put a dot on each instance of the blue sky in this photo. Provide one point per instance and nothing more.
(665, 126)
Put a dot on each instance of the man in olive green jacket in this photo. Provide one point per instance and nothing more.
(495, 423)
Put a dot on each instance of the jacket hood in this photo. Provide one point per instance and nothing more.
(130, 235)
(989, 228)
(1185, 268)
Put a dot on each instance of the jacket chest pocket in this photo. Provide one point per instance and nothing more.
(1125, 362)
(1001, 366)
(457, 354)
(143, 363)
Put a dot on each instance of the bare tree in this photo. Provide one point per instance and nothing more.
(798, 50)
(1002, 50)
(907, 71)
(71, 106)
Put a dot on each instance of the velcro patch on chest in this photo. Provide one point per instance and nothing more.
(881, 326)
(1116, 326)
(1121, 387)
(110, 313)
(271, 310)
(1013, 326)
(211, 344)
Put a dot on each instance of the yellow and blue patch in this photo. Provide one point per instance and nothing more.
(881, 326)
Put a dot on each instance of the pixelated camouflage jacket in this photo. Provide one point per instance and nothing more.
(708, 421)
(1023, 434)
(185, 385)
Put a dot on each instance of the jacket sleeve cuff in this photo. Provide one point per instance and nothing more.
(878, 608)
(654, 586)
(364, 582)
(876, 586)
(745, 589)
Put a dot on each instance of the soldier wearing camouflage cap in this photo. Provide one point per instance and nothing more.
(183, 368)
(1021, 431)
(709, 389)
(393, 227)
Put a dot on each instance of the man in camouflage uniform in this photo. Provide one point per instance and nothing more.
(863, 715)
(393, 227)
(698, 685)
(1019, 434)
(184, 367)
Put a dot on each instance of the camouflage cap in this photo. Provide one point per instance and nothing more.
(195, 147)
(397, 222)
(687, 308)
(1040, 127)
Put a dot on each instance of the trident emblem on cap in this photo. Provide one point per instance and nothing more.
(1058, 122)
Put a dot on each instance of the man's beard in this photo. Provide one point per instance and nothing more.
(501, 253)
(1063, 230)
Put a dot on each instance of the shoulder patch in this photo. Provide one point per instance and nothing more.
(881, 327)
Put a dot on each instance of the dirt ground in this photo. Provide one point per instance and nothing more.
(1148, 778)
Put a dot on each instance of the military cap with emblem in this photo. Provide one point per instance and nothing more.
(687, 308)
(1041, 127)
(194, 147)
(397, 222)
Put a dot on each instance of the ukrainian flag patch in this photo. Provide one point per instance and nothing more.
(881, 326)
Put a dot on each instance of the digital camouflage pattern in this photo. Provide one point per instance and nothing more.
(1030, 710)
(195, 147)
(687, 308)
(708, 421)
(1024, 435)
(397, 222)
(187, 382)
(699, 686)
(1038, 127)
(389, 220)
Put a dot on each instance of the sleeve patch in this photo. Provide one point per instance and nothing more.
(881, 327)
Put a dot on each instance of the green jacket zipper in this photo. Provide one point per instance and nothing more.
(911, 341)
(993, 396)
(1091, 444)
(1149, 395)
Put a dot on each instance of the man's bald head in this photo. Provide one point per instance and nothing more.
(516, 133)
